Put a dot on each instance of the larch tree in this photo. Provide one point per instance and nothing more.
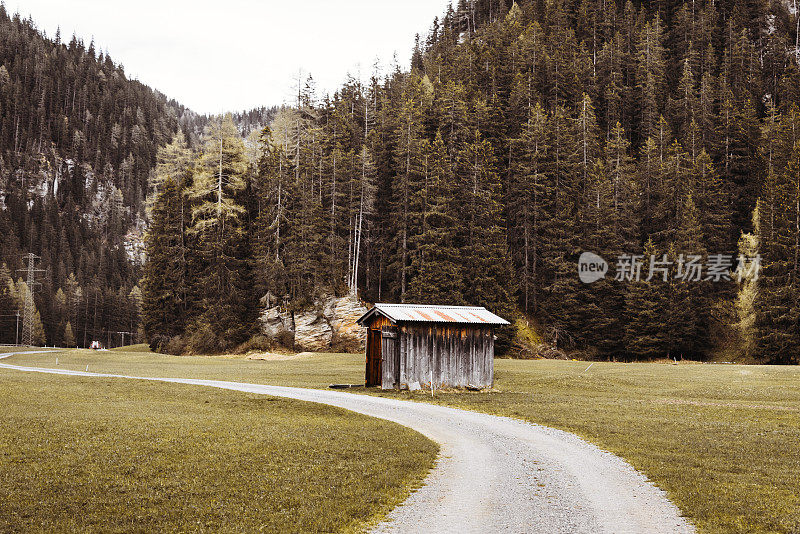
(68, 339)
(219, 224)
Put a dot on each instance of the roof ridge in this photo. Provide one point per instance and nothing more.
(430, 306)
(435, 314)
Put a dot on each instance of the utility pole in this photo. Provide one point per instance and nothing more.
(30, 306)
(16, 340)
(122, 334)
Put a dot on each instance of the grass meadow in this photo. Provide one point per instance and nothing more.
(114, 455)
(722, 440)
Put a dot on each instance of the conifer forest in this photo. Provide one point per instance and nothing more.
(521, 135)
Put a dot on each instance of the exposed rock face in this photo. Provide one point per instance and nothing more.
(276, 324)
(330, 324)
(312, 331)
(345, 311)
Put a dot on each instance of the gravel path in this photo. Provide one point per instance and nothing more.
(495, 474)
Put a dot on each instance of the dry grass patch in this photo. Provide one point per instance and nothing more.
(115, 455)
(722, 440)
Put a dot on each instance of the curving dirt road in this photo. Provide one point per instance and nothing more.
(494, 474)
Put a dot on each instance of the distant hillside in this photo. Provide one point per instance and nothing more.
(78, 142)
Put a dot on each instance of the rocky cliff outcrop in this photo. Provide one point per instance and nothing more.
(312, 331)
(329, 325)
(277, 324)
(344, 312)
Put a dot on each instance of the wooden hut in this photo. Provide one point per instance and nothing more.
(411, 345)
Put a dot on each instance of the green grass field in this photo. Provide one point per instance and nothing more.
(9, 348)
(114, 455)
(318, 370)
(722, 440)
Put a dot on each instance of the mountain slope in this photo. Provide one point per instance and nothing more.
(77, 143)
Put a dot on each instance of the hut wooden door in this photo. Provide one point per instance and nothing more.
(390, 356)
(373, 375)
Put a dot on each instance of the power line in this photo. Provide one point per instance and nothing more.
(30, 306)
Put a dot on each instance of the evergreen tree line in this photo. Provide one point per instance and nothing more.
(522, 135)
(78, 143)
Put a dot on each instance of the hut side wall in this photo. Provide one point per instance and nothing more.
(452, 356)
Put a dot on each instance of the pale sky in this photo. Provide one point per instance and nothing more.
(239, 54)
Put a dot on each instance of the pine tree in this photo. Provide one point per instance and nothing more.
(588, 142)
(362, 210)
(560, 247)
(59, 312)
(739, 138)
(645, 304)
(601, 301)
(408, 159)
(219, 224)
(8, 307)
(689, 313)
(610, 229)
(650, 77)
(274, 189)
(167, 299)
(673, 185)
(611, 61)
(684, 110)
(777, 313)
(526, 204)
(707, 116)
(712, 200)
(438, 270)
(165, 277)
(624, 187)
(486, 260)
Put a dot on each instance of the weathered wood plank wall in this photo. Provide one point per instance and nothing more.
(390, 349)
(453, 356)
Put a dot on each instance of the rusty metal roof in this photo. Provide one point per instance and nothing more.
(432, 313)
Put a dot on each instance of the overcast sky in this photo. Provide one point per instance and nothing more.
(239, 54)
